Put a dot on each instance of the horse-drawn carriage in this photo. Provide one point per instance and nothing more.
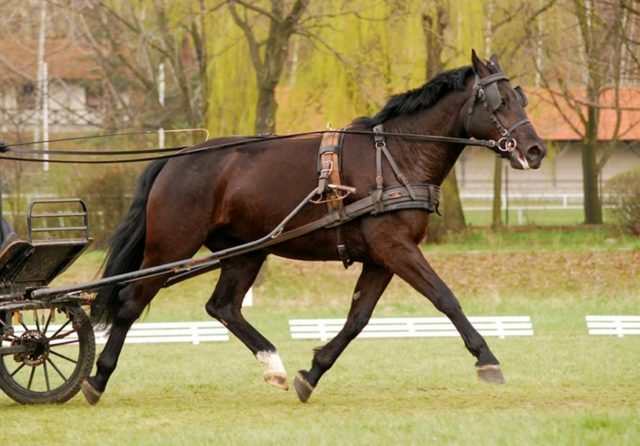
(233, 196)
(47, 345)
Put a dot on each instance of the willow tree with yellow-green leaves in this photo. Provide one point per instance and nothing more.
(339, 60)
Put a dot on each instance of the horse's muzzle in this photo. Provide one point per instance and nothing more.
(534, 154)
(527, 158)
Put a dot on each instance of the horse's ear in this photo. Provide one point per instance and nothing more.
(479, 66)
(494, 61)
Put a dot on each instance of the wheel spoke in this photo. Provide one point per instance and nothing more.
(33, 371)
(46, 376)
(58, 344)
(64, 378)
(17, 370)
(63, 356)
(46, 325)
(35, 314)
(60, 329)
(62, 335)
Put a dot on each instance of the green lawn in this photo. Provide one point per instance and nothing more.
(563, 386)
(560, 390)
(525, 216)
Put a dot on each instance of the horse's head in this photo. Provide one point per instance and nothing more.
(495, 111)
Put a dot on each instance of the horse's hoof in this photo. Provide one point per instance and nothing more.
(91, 394)
(278, 380)
(490, 373)
(303, 388)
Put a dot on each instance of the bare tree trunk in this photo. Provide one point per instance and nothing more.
(434, 22)
(268, 62)
(496, 214)
(592, 204)
(266, 109)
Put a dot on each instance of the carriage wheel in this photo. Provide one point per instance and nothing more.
(55, 352)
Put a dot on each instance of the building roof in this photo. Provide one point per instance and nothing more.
(557, 119)
(65, 60)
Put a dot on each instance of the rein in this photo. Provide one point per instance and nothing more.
(186, 150)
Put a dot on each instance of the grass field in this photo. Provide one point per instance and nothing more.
(563, 386)
(531, 216)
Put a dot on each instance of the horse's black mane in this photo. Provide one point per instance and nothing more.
(419, 98)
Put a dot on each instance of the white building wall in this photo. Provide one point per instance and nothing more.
(561, 172)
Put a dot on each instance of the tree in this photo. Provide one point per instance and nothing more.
(268, 56)
(131, 41)
(435, 19)
(496, 208)
(600, 59)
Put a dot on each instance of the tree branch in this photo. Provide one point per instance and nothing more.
(257, 9)
(254, 47)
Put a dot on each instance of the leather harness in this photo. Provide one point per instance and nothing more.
(383, 199)
(329, 185)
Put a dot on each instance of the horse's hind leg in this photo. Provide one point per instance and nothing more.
(236, 277)
(134, 298)
(372, 282)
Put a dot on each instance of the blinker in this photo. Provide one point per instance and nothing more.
(494, 100)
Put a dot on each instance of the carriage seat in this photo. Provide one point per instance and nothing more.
(57, 233)
(30, 265)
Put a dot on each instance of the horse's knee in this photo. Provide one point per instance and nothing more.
(217, 310)
(211, 308)
(444, 300)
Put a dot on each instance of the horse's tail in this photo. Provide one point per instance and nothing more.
(125, 247)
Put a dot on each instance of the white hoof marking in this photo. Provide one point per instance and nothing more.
(274, 365)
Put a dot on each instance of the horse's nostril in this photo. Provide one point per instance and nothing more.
(534, 153)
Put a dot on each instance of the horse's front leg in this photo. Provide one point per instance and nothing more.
(404, 258)
(372, 282)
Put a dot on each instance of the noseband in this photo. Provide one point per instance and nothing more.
(486, 90)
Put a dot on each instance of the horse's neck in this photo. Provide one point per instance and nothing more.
(422, 161)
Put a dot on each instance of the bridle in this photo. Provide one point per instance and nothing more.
(485, 89)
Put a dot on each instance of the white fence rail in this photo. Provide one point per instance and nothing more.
(551, 201)
(613, 325)
(169, 332)
(563, 198)
(155, 332)
(409, 327)
(325, 329)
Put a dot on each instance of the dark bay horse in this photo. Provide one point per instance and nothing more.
(224, 198)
